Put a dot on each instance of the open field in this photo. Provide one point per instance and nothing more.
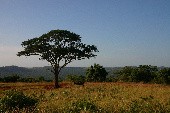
(102, 97)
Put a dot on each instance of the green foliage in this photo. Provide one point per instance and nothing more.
(84, 106)
(79, 80)
(12, 78)
(33, 79)
(146, 73)
(1, 79)
(28, 79)
(163, 76)
(126, 74)
(58, 46)
(143, 73)
(16, 100)
(111, 79)
(70, 78)
(16, 78)
(96, 73)
(41, 79)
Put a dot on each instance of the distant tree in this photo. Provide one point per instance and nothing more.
(78, 79)
(96, 73)
(59, 48)
(41, 79)
(146, 73)
(126, 74)
(70, 78)
(142, 73)
(1, 79)
(111, 79)
(163, 76)
(12, 78)
(29, 80)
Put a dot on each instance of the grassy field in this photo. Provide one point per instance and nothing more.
(96, 97)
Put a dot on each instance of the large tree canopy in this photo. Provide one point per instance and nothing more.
(59, 48)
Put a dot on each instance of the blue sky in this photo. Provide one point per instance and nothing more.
(126, 32)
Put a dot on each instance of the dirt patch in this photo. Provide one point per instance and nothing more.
(6, 87)
(66, 85)
(49, 87)
(62, 85)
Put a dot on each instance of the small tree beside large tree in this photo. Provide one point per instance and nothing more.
(59, 48)
(96, 73)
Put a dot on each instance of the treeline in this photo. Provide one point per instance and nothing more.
(17, 78)
(97, 73)
(144, 73)
(35, 72)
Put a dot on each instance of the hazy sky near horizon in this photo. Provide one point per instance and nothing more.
(126, 32)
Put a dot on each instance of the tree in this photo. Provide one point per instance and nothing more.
(126, 74)
(77, 79)
(11, 78)
(59, 48)
(143, 73)
(163, 76)
(96, 73)
(146, 73)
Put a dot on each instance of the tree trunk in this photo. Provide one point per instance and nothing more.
(56, 73)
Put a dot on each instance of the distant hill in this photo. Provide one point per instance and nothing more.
(46, 71)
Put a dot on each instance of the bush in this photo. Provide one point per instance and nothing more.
(12, 78)
(96, 73)
(29, 80)
(111, 79)
(16, 100)
(163, 76)
(70, 78)
(1, 79)
(40, 79)
(82, 106)
(78, 80)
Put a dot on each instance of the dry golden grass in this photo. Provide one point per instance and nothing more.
(112, 97)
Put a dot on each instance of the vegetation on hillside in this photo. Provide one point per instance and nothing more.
(145, 74)
(97, 73)
(34, 72)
